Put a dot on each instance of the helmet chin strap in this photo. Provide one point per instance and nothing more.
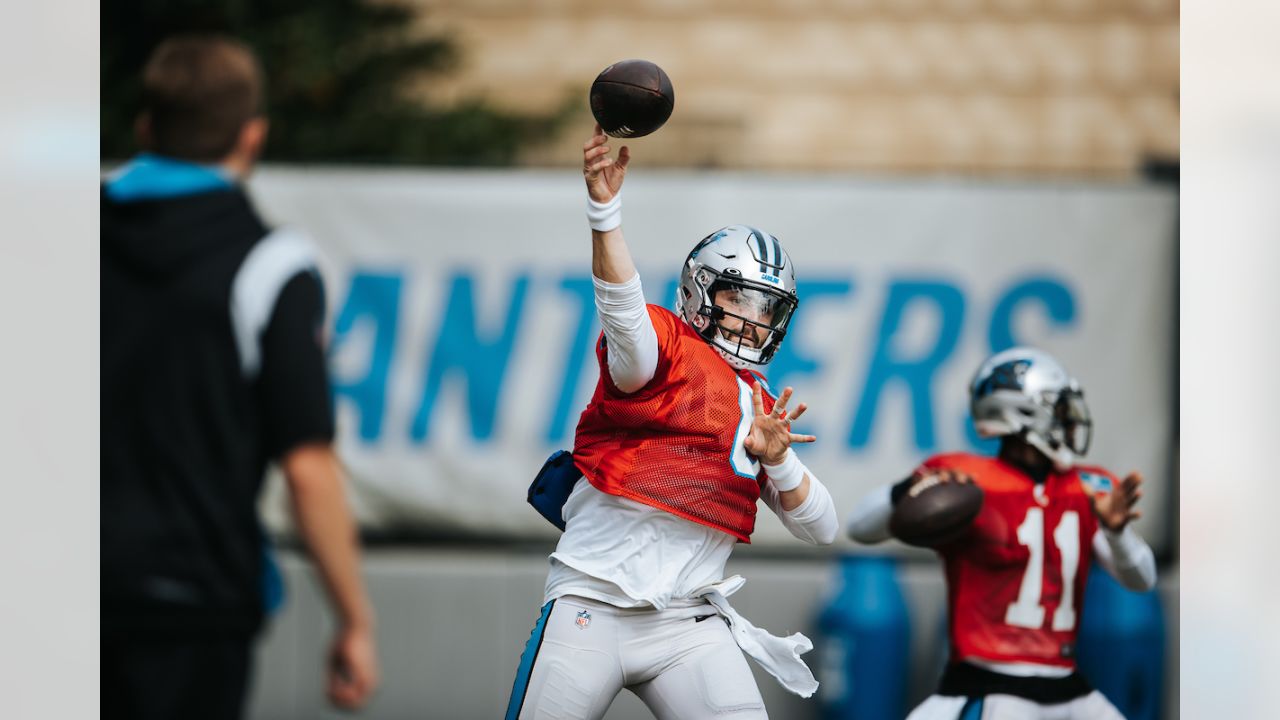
(719, 339)
(729, 357)
(734, 360)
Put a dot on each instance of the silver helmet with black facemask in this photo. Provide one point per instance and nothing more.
(738, 291)
(1024, 391)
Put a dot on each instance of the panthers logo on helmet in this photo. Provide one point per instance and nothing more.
(1007, 376)
(705, 242)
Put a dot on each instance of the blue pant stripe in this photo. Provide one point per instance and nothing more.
(527, 659)
(972, 709)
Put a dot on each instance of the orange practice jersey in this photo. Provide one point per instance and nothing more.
(676, 444)
(1015, 581)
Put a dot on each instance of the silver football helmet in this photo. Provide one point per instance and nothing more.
(738, 291)
(1024, 391)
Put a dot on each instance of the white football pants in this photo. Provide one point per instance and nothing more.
(1093, 706)
(682, 662)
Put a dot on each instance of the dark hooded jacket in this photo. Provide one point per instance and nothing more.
(188, 428)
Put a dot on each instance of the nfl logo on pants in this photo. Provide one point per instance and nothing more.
(583, 619)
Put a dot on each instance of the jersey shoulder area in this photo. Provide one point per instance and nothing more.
(670, 327)
(988, 472)
(1094, 478)
(749, 375)
(665, 320)
(968, 462)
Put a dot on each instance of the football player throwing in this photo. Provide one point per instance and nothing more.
(680, 441)
(1015, 579)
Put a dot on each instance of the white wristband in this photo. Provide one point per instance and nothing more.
(607, 216)
(786, 475)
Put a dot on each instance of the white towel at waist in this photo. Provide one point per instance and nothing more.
(780, 657)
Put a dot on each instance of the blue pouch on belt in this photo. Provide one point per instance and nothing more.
(550, 489)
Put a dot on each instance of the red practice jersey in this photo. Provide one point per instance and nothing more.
(676, 444)
(1015, 580)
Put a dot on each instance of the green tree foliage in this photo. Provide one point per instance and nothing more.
(337, 71)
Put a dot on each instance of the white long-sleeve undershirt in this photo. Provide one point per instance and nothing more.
(814, 520)
(1124, 555)
(633, 343)
(869, 521)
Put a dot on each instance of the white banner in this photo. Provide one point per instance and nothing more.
(462, 320)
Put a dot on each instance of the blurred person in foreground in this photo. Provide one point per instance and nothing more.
(212, 366)
(1015, 578)
(679, 443)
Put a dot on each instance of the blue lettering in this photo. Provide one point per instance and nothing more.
(460, 350)
(791, 358)
(588, 328)
(916, 374)
(373, 298)
(1052, 294)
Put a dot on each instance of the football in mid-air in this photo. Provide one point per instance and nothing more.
(933, 512)
(632, 98)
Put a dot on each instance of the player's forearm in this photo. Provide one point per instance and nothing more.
(633, 343)
(1126, 557)
(610, 257)
(805, 506)
(327, 528)
(813, 516)
(790, 478)
(792, 499)
(869, 521)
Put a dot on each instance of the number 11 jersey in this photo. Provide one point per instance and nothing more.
(1015, 580)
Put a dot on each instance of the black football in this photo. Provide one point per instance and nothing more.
(933, 512)
(632, 98)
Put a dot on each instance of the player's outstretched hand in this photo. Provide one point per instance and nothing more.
(1115, 509)
(771, 434)
(353, 668)
(603, 173)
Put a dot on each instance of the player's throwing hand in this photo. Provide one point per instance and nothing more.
(1115, 508)
(603, 173)
(771, 434)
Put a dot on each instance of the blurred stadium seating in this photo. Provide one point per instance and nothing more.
(1081, 88)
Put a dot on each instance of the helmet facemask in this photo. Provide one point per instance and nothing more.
(1073, 426)
(737, 291)
(743, 321)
